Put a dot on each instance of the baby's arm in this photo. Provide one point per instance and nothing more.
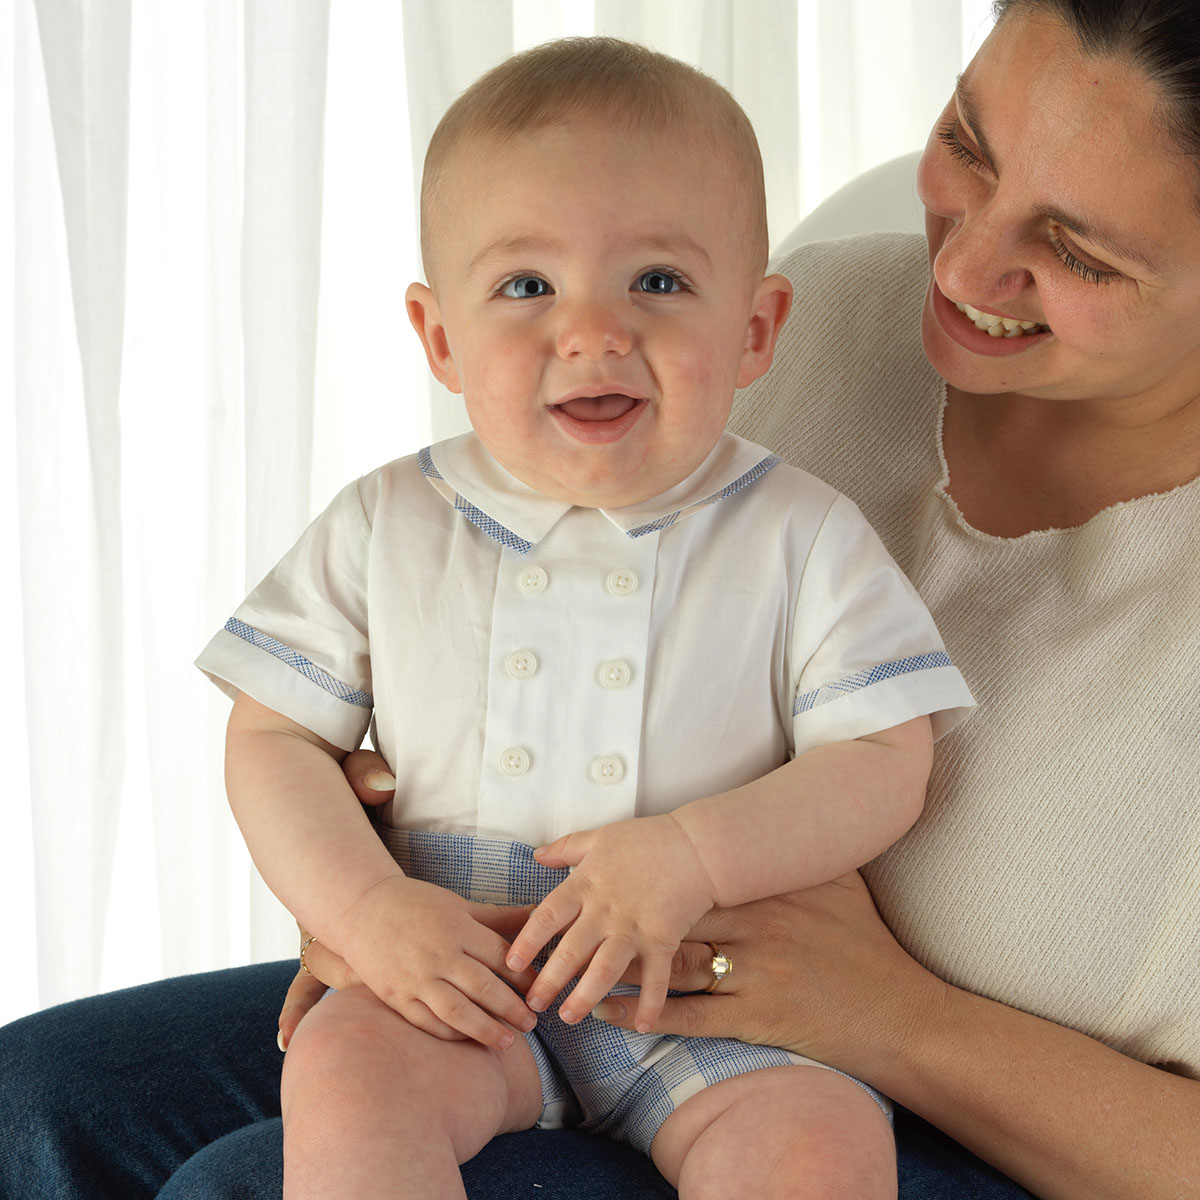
(417, 946)
(640, 885)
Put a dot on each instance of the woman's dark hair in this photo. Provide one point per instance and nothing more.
(1161, 37)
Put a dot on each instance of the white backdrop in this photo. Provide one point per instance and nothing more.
(209, 229)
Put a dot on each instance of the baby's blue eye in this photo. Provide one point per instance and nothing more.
(526, 287)
(658, 283)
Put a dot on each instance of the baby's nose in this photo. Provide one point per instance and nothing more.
(594, 330)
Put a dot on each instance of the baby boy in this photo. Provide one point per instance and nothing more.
(599, 625)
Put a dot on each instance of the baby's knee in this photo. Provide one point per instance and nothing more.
(842, 1141)
(786, 1132)
(348, 1034)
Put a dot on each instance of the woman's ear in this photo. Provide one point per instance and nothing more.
(772, 302)
(426, 318)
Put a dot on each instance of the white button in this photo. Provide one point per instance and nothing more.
(532, 580)
(520, 664)
(614, 674)
(621, 582)
(608, 769)
(514, 761)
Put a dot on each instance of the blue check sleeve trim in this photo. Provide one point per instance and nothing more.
(297, 661)
(864, 679)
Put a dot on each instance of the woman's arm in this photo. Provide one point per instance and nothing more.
(1062, 1114)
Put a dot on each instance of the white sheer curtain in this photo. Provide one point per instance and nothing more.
(209, 231)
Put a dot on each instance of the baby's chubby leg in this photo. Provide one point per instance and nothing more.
(373, 1106)
(795, 1132)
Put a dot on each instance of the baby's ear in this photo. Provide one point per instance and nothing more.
(426, 318)
(772, 302)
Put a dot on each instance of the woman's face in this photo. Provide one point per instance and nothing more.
(1054, 196)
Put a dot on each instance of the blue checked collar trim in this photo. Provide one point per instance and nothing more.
(517, 517)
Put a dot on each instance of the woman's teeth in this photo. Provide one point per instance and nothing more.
(1000, 326)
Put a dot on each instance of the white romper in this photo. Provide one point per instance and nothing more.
(532, 668)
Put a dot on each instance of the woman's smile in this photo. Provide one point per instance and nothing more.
(975, 330)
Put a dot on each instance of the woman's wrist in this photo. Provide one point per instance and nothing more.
(901, 1029)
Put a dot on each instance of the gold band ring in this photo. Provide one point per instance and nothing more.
(303, 948)
(722, 966)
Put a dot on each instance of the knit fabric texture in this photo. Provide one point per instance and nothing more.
(1057, 865)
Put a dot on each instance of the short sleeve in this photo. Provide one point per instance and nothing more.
(298, 643)
(865, 652)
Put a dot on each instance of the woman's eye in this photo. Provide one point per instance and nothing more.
(525, 287)
(658, 283)
(948, 135)
(1085, 270)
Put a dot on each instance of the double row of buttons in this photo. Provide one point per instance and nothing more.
(616, 673)
(523, 664)
(514, 762)
(621, 582)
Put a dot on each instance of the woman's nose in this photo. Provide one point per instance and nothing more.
(594, 329)
(980, 259)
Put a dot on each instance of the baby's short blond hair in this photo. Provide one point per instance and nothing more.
(622, 83)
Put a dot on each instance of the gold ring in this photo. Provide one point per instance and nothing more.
(722, 966)
(303, 947)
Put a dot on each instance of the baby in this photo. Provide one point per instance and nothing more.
(597, 612)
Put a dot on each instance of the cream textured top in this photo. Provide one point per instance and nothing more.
(1057, 865)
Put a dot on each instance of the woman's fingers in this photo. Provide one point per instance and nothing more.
(369, 776)
(303, 993)
(325, 970)
(691, 967)
(686, 1016)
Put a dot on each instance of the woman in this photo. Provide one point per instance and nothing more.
(1043, 919)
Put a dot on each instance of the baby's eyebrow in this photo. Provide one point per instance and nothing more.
(668, 243)
(509, 248)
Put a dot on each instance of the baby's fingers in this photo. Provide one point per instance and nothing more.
(552, 916)
(570, 958)
(656, 977)
(450, 1006)
(566, 851)
(496, 997)
(605, 969)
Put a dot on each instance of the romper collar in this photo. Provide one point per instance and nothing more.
(518, 517)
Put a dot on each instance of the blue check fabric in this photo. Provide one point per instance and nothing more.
(594, 1077)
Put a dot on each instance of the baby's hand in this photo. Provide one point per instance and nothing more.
(637, 888)
(424, 952)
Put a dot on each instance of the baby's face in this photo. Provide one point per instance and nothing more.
(595, 304)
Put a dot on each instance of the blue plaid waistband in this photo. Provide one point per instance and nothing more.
(484, 869)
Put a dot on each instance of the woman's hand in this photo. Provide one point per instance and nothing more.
(815, 971)
(819, 973)
(325, 970)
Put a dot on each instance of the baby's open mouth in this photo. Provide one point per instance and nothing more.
(1000, 326)
(610, 407)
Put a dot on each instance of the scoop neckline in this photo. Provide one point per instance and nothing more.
(943, 490)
